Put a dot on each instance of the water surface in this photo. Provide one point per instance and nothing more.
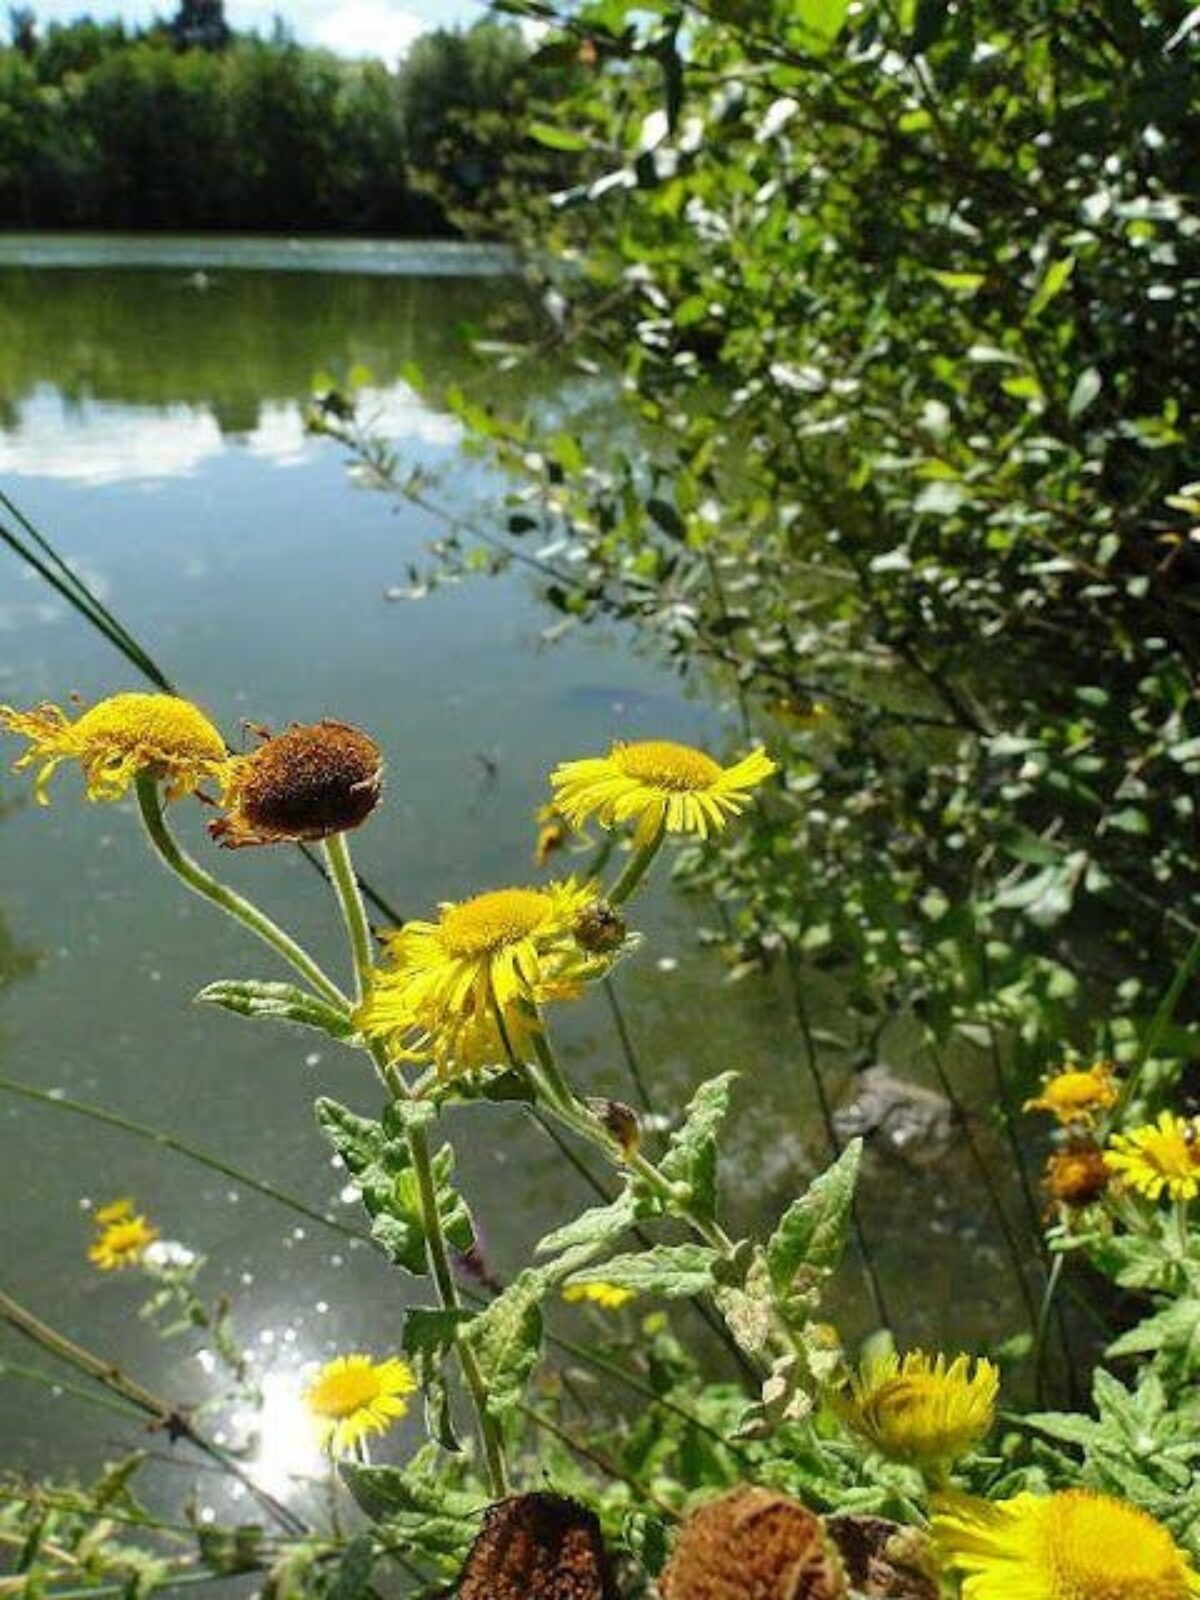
(151, 425)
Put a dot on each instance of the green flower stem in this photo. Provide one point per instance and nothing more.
(226, 899)
(564, 1102)
(636, 868)
(345, 885)
(354, 914)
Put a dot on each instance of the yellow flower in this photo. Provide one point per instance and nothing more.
(444, 982)
(1076, 1545)
(353, 1396)
(1158, 1157)
(1076, 1095)
(123, 1239)
(117, 739)
(657, 785)
(921, 1410)
(610, 1296)
(306, 783)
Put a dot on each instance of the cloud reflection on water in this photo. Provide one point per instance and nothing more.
(98, 443)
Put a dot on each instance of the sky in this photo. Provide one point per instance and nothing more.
(382, 28)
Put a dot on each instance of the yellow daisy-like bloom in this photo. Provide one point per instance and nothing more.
(1076, 1096)
(1075, 1545)
(444, 982)
(609, 1296)
(114, 1211)
(123, 1240)
(1161, 1157)
(353, 1396)
(657, 785)
(117, 739)
(921, 1410)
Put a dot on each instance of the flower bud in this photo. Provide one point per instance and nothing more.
(307, 783)
(620, 1122)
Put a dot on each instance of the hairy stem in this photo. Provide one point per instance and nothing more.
(226, 899)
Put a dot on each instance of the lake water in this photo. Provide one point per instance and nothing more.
(151, 425)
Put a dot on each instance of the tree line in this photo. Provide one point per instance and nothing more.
(186, 124)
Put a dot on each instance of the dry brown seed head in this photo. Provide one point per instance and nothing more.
(753, 1544)
(308, 783)
(599, 929)
(538, 1547)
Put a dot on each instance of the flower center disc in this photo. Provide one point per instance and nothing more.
(1098, 1553)
(343, 1393)
(667, 765)
(491, 921)
(151, 721)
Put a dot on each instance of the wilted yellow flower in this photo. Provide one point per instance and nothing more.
(117, 739)
(609, 1296)
(657, 785)
(1076, 1096)
(1076, 1177)
(353, 1396)
(553, 832)
(922, 1410)
(1161, 1157)
(1075, 1545)
(307, 783)
(443, 982)
(123, 1238)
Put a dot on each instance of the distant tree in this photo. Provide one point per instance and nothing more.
(22, 28)
(200, 25)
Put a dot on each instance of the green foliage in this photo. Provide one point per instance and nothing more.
(379, 1158)
(896, 465)
(807, 1245)
(185, 125)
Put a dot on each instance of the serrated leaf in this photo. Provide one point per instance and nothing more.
(387, 1493)
(691, 1156)
(807, 1244)
(276, 1002)
(596, 1227)
(378, 1158)
(506, 1339)
(675, 1271)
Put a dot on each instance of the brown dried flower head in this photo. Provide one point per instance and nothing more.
(753, 1544)
(1076, 1176)
(599, 929)
(538, 1547)
(307, 783)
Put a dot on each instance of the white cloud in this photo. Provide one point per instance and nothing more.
(368, 28)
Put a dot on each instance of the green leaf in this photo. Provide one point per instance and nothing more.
(277, 1002)
(421, 1513)
(557, 138)
(1054, 280)
(595, 1228)
(1087, 387)
(675, 1271)
(377, 1157)
(667, 518)
(506, 1339)
(807, 1245)
(353, 1575)
(821, 21)
(691, 1156)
